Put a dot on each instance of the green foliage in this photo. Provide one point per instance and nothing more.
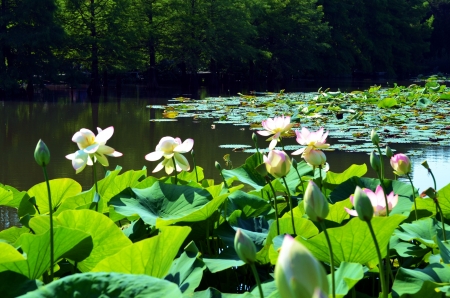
(107, 285)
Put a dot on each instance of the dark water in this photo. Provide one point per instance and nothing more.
(55, 121)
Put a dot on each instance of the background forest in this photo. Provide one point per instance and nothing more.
(96, 41)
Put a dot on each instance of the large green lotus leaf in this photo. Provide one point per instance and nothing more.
(353, 242)
(69, 243)
(352, 171)
(85, 198)
(11, 234)
(107, 238)
(246, 173)
(60, 190)
(6, 196)
(420, 283)
(190, 176)
(10, 254)
(107, 285)
(423, 102)
(17, 196)
(304, 227)
(250, 205)
(423, 231)
(427, 208)
(292, 178)
(444, 250)
(187, 270)
(166, 201)
(408, 249)
(269, 290)
(227, 258)
(14, 284)
(153, 256)
(214, 293)
(128, 179)
(219, 194)
(403, 190)
(444, 200)
(346, 276)
(337, 212)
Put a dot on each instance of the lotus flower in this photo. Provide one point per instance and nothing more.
(377, 200)
(92, 148)
(312, 140)
(401, 164)
(297, 273)
(276, 127)
(277, 163)
(169, 147)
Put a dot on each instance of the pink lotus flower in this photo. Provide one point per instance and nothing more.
(169, 147)
(377, 200)
(401, 164)
(92, 148)
(312, 140)
(276, 127)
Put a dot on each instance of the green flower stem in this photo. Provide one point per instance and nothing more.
(50, 208)
(414, 195)
(290, 204)
(381, 163)
(320, 186)
(195, 167)
(300, 178)
(175, 169)
(333, 282)
(384, 289)
(384, 192)
(434, 179)
(96, 186)
(258, 282)
(275, 204)
(224, 181)
(442, 219)
(259, 154)
(207, 237)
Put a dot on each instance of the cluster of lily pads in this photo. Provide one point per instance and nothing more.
(274, 227)
(418, 113)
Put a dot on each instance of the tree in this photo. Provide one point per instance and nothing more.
(28, 35)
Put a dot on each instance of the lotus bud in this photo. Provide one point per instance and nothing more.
(401, 164)
(218, 166)
(316, 206)
(374, 137)
(425, 165)
(42, 154)
(254, 138)
(278, 163)
(362, 204)
(244, 246)
(375, 161)
(315, 157)
(297, 273)
(389, 153)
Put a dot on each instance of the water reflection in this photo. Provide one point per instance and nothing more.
(55, 122)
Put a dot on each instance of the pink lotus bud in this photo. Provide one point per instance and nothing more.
(401, 164)
(316, 206)
(315, 158)
(278, 163)
(244, 246)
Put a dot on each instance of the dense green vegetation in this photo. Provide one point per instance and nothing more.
(253, 39)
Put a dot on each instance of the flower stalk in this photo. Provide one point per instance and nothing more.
(290, 204)
(413, 194)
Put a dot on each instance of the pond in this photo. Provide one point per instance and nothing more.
(56, 119)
